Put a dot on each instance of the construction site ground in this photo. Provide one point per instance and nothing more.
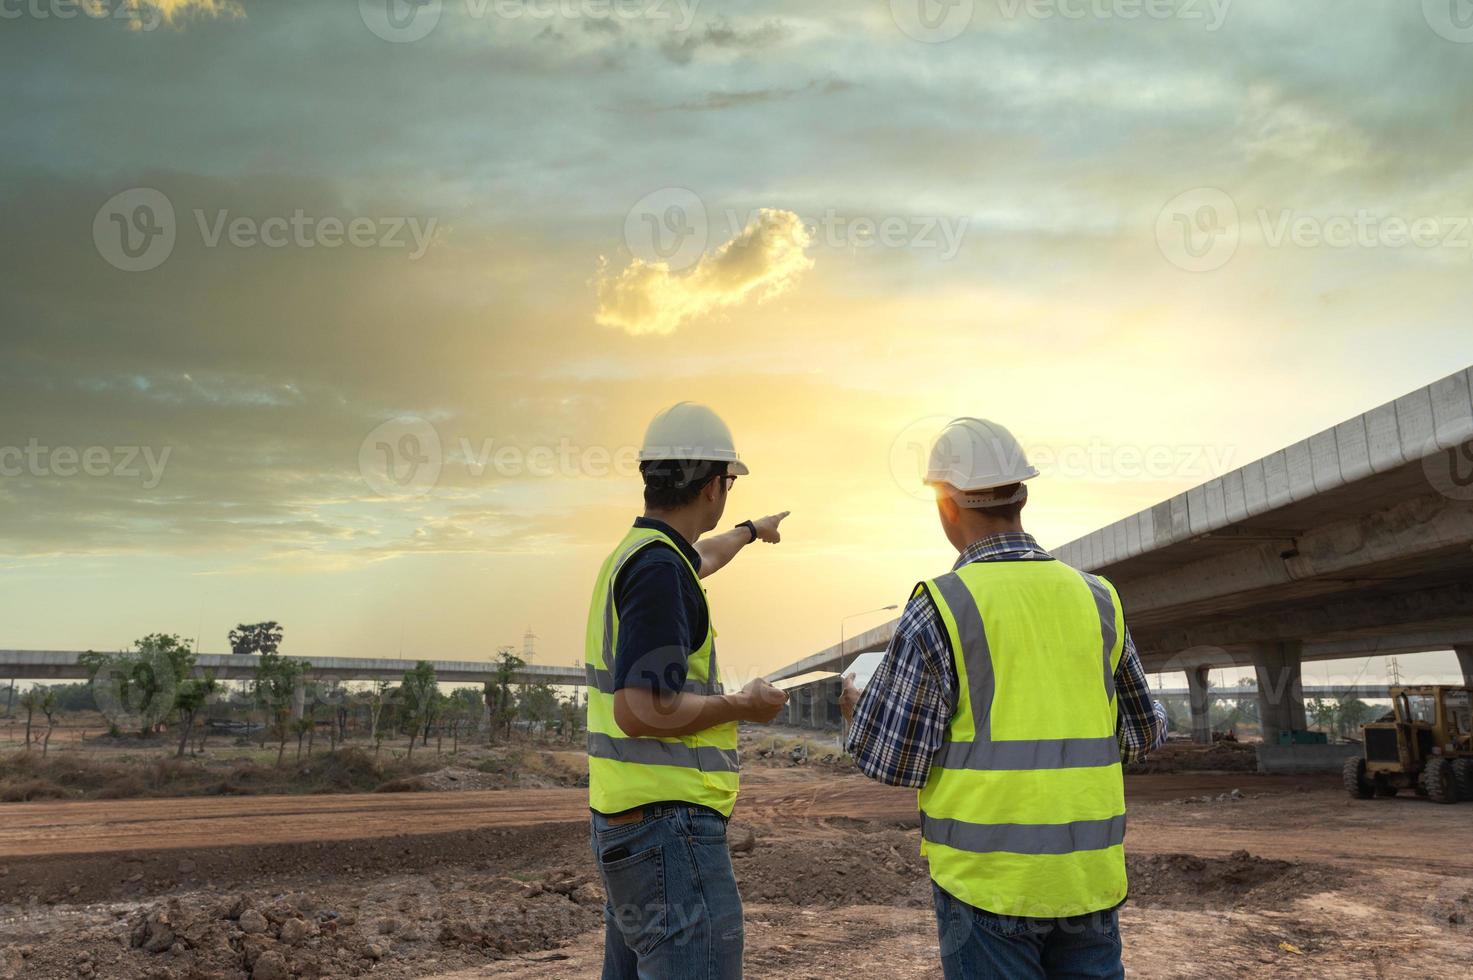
(1232, 875)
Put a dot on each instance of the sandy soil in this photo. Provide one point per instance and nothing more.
(1290, 878)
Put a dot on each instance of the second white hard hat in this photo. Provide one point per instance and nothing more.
(688, 431)
(974, 456)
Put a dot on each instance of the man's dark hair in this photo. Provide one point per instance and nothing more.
(670, 484)
(1006, 512)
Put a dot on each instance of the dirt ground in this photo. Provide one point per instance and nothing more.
(1284, 878)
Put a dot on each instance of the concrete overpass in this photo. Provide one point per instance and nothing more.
(1356, 541)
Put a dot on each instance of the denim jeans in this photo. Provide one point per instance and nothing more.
(673, 911)
(977, 945)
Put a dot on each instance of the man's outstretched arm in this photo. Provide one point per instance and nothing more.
(718, 549)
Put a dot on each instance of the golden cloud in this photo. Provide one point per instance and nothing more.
(152, 12)
(764, 260)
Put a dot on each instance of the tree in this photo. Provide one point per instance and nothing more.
(420, 692)
(31, 700)
(537, 704)
(48, 707)
(381, 694)
(193, 694)
(275, 688)
(139, 687)
(499, 699)
(256, 638)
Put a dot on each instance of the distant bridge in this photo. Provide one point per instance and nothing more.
(67, 664)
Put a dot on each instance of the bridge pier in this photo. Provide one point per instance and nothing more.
(795, 707)
(1465, 661)
(1200, 704)
(299, 697)
(1280, 688)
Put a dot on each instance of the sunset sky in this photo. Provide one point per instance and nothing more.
(1155, 247)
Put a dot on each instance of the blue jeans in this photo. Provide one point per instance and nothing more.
(977, 945)
(673, 911)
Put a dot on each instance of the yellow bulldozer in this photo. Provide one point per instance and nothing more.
(1424, 743)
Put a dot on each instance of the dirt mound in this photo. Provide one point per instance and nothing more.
(1189, 757)
(1188, 881)
(392, 930)
(875, 866)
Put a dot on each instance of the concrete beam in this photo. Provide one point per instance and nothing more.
(1280, 690)
(1376, 612)
(1408, 529)
(299, 697)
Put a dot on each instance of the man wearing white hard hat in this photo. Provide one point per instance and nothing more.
(1009, 697)
(662, 732)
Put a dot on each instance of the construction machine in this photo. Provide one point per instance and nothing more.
(1424, 743)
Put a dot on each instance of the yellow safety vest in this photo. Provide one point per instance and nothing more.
(1023, 813)
(625, 772)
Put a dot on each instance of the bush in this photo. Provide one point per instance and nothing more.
(26, 790)
(124, 787)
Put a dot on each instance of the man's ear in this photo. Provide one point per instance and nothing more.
(950, 511)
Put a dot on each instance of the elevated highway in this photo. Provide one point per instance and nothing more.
(1356, 541)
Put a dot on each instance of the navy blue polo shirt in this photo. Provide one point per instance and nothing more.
(662, 614)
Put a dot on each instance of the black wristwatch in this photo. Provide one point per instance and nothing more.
(750, 527)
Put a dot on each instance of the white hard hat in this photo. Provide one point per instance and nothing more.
(975, 456)
(688, 431)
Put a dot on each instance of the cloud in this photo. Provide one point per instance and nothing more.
(721, 34)
(150, 12)
(764, 260)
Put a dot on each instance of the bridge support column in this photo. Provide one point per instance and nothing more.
(1280, 689)
(1200, 704)
(795, 708)
(820, 705)
(1465, 661)
(299, 697)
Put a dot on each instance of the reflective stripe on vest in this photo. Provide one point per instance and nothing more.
(626, 772)
(1024, 809)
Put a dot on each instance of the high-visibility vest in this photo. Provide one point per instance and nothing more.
(1023, 813)
(625, 772)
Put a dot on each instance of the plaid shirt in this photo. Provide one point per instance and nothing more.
(905, 709)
